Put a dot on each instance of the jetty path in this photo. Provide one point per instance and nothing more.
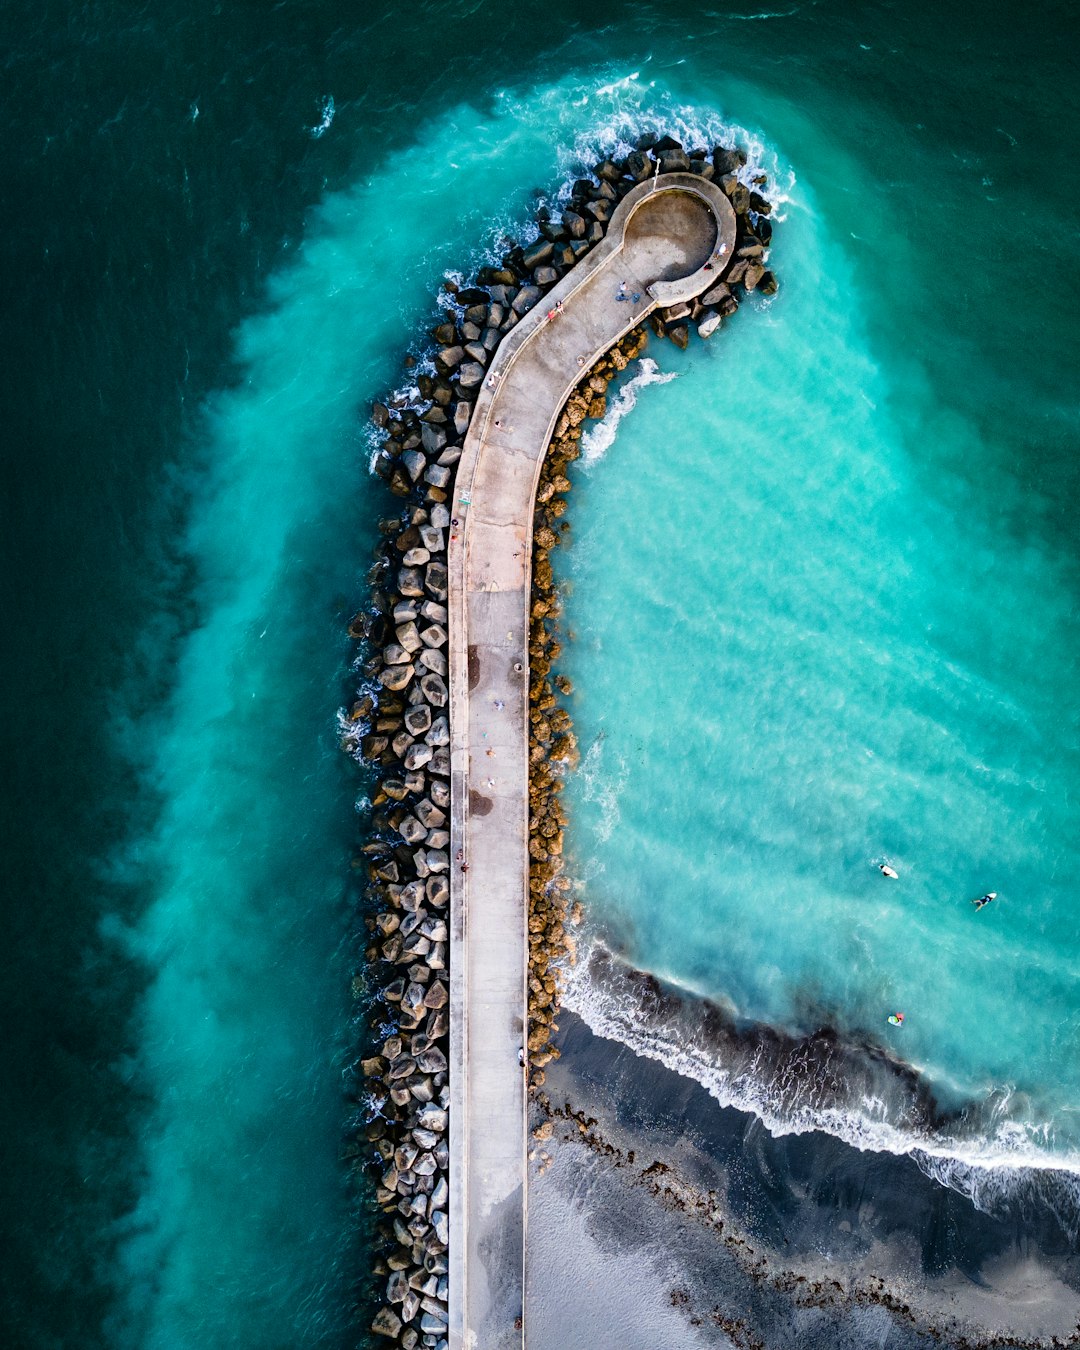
(659, 241)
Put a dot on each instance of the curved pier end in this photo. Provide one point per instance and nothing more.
(657, 251)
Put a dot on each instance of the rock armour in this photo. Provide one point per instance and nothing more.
(398, 726)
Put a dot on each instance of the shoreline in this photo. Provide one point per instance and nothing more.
(801, 1232)
(798, 1083)
(406, 724)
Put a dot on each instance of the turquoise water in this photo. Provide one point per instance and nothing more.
(850, 641)
(244, 1031)
(223, 230)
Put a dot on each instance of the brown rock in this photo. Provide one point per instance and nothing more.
(386, 1323)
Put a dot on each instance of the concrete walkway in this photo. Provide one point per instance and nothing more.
(658, 241)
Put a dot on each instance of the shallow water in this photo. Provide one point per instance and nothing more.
(808, 638)
(224, 228)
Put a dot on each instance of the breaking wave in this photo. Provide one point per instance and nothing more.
(988, 1150)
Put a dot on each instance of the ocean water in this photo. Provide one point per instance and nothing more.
(818, 631)
(221, 230)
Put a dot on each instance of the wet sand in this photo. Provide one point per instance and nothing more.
(672, 1221)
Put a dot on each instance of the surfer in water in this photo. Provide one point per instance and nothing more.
(886, 871)
(984, 899)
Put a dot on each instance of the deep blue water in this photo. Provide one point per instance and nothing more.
(209, 272)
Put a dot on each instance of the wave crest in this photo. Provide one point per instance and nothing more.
(598, 440)
(854, 1090)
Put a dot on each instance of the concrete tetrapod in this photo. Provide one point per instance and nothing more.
(660, 249)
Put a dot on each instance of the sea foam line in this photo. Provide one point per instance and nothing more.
(598, 440)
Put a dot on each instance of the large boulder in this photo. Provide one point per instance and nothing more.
(448, 359)
(556, 233)
(416, 757)
(439, 733)
(386, 1323)
(437, 890)
(709, 323)
(638, 165)
(494, 277)
(438, 475)
(727, 161)
(418, 719)
(433, 659)
(434, 690)
(411, 830)
(433, 438)
(413, 462)
(537, 254)
(429, 815)
(396, 677)
(525, 299)
(674, 161)
(408, 636)
(470, 374)
(715, 294)
(436, 580)
(736, 272)
(411, 580)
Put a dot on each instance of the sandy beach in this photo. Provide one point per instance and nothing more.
(664, 1219)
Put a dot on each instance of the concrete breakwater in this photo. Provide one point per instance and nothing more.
(400, 727)
(552, 745)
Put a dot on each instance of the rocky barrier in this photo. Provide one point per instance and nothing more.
(398, 726)
(552, 746)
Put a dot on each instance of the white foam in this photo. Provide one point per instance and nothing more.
(327, 109)
(599, 439)
(624, 83)
(603, 783)
(999, 1162)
